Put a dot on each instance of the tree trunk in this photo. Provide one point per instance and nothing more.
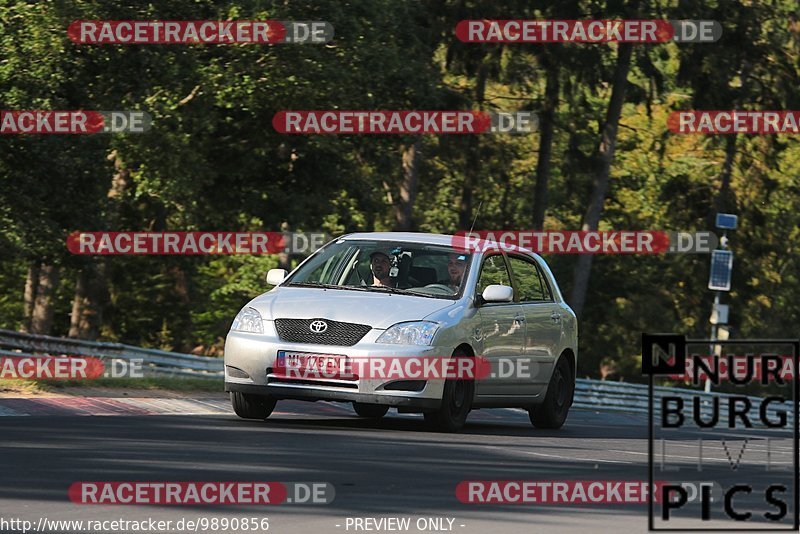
(284, 259)
(118, 202)
(31, 286)
(42, 316)
(120, 182)
(605, 156)
(182, 324)
(465, 216)
(546, 118)
(88, 303)
(78, 304)
(504, 209)
(465, 206)
(404, 209)
(726, 200)
(473, 161)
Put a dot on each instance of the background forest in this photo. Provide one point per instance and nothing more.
(602, 159)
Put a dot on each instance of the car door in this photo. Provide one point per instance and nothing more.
(502, 331)
(542, 319)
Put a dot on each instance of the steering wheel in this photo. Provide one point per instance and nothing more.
(441, 287)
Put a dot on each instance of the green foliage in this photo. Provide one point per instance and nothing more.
(212, 161)
(224, 285)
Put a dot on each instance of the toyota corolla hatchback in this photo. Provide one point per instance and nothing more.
(415, 322)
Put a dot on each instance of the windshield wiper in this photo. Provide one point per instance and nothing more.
(323, 286)
(386, 289)
(313, 284)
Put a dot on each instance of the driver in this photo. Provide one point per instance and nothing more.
(381, 264)
(456, 264)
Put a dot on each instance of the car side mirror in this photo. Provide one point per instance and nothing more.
(276, 276)
(497, 293)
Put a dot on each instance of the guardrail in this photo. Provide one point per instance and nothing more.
(627, 397)
(154, 361)
(589, 394)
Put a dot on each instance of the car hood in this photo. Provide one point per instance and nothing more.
(379, 310)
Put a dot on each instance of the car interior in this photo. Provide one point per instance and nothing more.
(416, 269)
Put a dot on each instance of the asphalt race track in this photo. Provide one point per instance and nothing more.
(394, 467)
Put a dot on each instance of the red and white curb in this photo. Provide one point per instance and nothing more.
(110, 406)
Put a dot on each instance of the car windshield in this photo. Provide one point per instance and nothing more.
(385, 266)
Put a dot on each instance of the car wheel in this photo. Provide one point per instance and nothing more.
(252, 406)
(552, 413)
(370, 411)
(456, 404)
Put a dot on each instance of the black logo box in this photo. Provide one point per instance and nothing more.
(676, 345)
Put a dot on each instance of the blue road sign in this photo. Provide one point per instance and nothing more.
(726, 221)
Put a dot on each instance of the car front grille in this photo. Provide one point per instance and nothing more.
(299, 331)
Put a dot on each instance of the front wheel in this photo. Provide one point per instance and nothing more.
(552, 413)
(370, 411)
(456, 404)
(249, 406)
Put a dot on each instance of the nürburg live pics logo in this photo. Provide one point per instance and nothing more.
(723, 428)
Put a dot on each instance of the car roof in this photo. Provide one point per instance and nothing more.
(427, 239)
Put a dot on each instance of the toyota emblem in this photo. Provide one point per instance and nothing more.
(318, 327)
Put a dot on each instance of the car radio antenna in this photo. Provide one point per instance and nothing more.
(477, 212)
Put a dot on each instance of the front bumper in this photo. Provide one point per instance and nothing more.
(314, 394)
(255, 355)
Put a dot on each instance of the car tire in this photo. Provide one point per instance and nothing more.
(249, 406)
(552, 413)
(370, 411)
(456, 404)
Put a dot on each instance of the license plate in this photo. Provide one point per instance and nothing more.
(304, 364)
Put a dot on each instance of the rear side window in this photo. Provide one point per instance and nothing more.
(531, 284)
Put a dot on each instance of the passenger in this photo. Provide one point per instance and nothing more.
(381, 265)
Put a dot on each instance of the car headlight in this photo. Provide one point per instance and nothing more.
(413, 333)
(248, 320)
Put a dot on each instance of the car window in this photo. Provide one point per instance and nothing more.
(493, 271)
(530, 283)
(428, 270)
(326, 268)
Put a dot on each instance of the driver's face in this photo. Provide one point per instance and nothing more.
(455, 268)
(380, 266)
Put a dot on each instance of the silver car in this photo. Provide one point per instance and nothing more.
(402, 297)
